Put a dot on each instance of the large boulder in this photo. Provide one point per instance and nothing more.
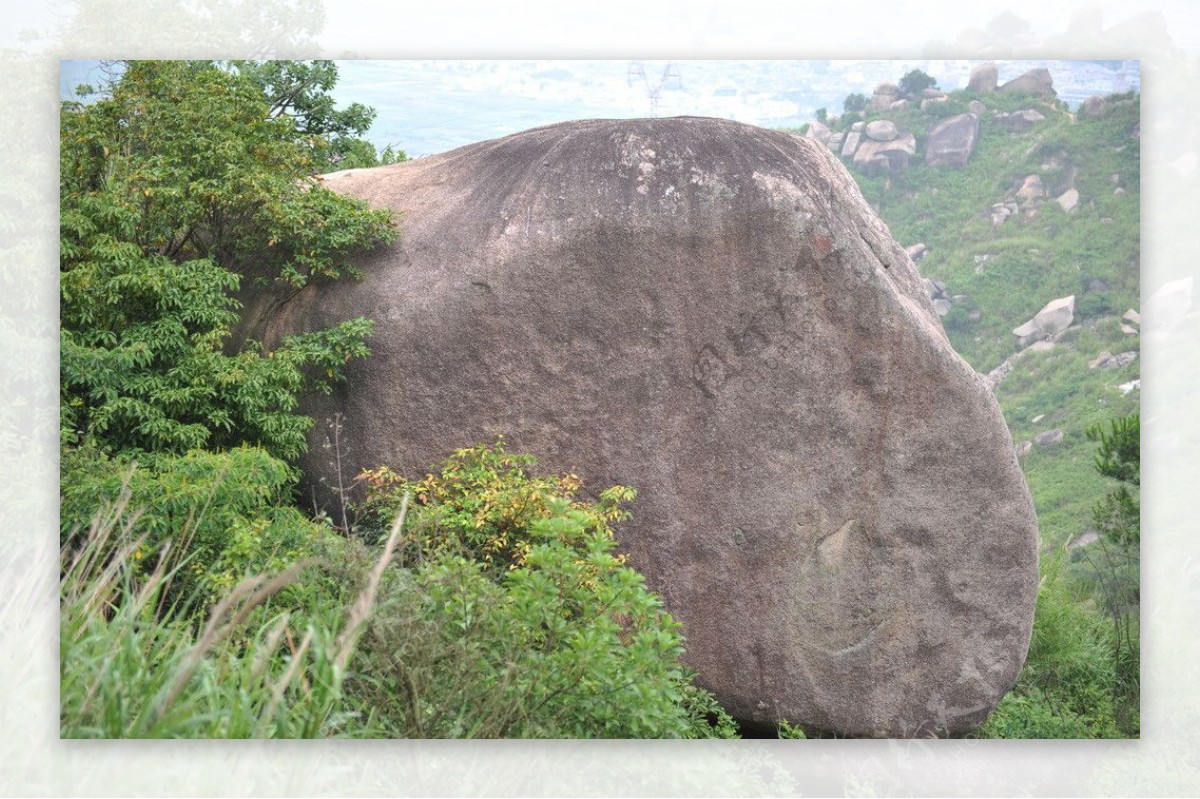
(1054, 318)
(710, 312)
(851, 142)
(984, 78)
(882, 130)
(1035, 81)
(1020, 120)
(819, 131)
(891, 156)
(952, 141)
(1093, 106)
(884, 95)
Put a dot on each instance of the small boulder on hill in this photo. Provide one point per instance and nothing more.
(1048, 438)
(1035, 81)
(1069, 200)
(1106, 360)
(1093, 106)
(952, 141)
(892, 155)
(1031, 190)
(1054, 318)
(884, 95)
(882, 130)
(828, 499)
(1020, 120)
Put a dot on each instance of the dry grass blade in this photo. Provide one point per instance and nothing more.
(284, 682)
(255, 590)
(366, 600)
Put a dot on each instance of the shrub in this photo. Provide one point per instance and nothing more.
(178, 188)
(515, 616)
(855, 102)
(225, 514)
(914, 82)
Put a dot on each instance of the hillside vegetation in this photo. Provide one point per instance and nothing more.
(996, 275)
(1002, 274)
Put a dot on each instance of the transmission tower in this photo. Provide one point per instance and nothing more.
(637, 71)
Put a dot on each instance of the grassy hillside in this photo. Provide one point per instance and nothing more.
(1003, 274)
(1002, 255)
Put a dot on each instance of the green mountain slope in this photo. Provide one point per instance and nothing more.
(1002, 256)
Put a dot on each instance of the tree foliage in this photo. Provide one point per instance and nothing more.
(176, 187)
(1116, 564)
(301, 91)
(854, 102)
(915, 82)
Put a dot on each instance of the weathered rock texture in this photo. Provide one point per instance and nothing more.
(710, 312)
(882, 130)
(890, 155)
(952, 141)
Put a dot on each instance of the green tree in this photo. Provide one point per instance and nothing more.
(855, 102)
(1116, 565)
(176, 186)
(915, 82)
(822, 115)
(301, 90)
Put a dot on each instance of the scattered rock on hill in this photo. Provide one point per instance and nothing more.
(1093, 106)
(886, 155)
(1069, 200)
(882, 130)
(1088, 538)
(1048, 438)
(1031, 190)
(1020, 120)
(705, 311)
(952, 141)
(1035, 81)
(983, 78)
(1106, 360)
(1054, 318)
(1000, 212)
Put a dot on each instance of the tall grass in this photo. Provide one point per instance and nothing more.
(130, 668)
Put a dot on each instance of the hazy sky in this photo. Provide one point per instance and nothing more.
(676, 28)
